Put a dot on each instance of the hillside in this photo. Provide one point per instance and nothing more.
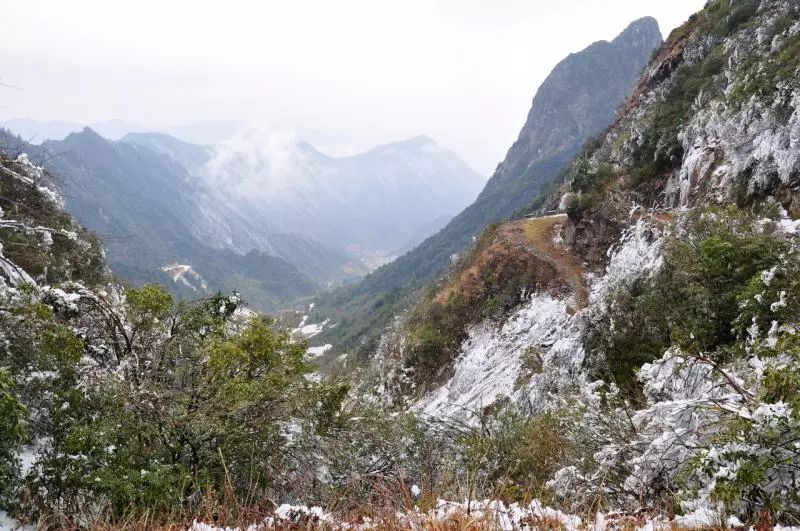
(115, 402)
(624, 353)
(578, 100)
(160, 202)
(659, 328)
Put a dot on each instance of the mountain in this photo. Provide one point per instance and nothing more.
(653, 319)
(577, 100)
(376, 201)
(368, 205)
(623, 354)
(204, 133)
(37, 132)
(145, 207)
(192, 157)
(386, 199)
(160, 202)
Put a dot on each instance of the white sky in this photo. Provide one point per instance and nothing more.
(362, 71)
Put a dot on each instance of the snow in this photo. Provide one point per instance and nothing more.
(753, 141)
(700, 517)
(310, 330)
(316, 352)
(8, 523)
(491, 514)
(490, 363)
(15, 275)
(187, 276)
(788, 226)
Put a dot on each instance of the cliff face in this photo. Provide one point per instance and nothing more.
(712, 120)
(712, 123)
(580, 97)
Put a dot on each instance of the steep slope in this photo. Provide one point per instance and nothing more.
(579, 99)
(114, 398)
(174, 181)
(664, 334)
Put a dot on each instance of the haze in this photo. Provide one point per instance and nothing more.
(347, 75)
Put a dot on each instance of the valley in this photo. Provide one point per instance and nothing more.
(605, 335)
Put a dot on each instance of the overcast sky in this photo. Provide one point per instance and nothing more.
(362, 72)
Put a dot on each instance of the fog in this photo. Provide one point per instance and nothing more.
(344, 75)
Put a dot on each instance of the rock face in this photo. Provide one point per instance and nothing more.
(713, 120)
(578, 100)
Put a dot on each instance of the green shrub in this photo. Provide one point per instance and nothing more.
(513, 455)
(697, 299)
(662, 150)
(13, 433)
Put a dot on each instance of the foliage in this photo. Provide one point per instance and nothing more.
(60, 250)
(514, 455)
(762, 78)
(589, 183)
(661, 149)
(193, 403)
(694, 301)
(13, 432)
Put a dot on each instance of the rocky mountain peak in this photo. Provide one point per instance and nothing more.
(643, 35)
(581, 96)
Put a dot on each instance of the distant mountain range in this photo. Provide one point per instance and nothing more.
(36, 132)
(277, 220)
(382, 200)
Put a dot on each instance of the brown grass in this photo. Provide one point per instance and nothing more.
(540, 233)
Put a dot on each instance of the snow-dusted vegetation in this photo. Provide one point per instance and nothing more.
(632, 362)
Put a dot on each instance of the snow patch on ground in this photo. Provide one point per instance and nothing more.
(186, 275)
(310, 330)
(315, 352)
(481, 514)
(490, 362)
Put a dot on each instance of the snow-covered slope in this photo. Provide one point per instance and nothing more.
(495, 361)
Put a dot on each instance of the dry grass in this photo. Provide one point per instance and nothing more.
(385, 519)
(540, 233)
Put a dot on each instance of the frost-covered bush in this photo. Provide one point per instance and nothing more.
(714, 426)
(694, 302)
(13, 430)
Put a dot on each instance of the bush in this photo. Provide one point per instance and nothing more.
(515, 455)
(695, 301)
(13, 433)
(194, 404)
